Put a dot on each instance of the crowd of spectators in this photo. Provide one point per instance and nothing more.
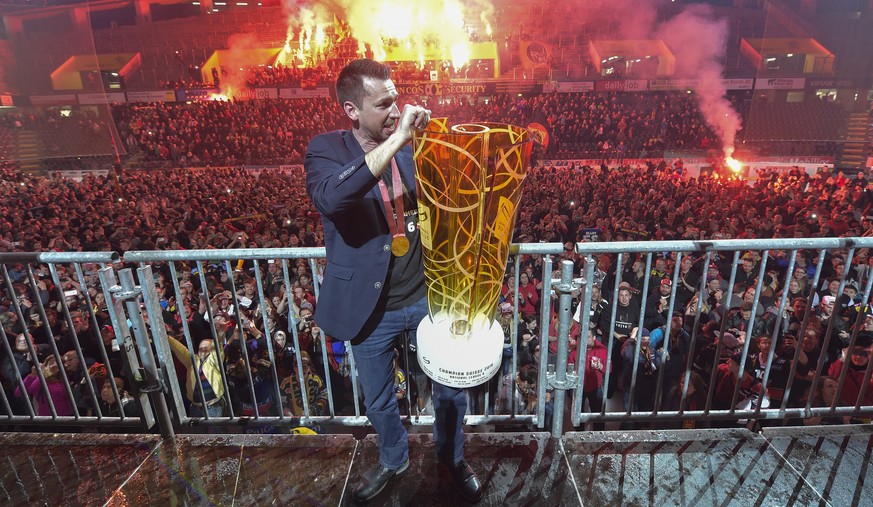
(157, 210)
(203, 208)
(183, 208)
(612, 126)
(226, 208)
(582, 125)
(260, 76)
(66, 136)
(657, 202)
(281, 75)
(224, 133)
(257, 76)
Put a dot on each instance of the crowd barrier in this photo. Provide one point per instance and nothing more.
(556, 401)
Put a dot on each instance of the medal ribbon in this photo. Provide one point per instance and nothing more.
(395, 223)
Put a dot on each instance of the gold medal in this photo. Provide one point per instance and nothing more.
(399, 246)
(394, 217)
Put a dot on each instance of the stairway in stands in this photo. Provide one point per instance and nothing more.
(28, 151)
(859, 140)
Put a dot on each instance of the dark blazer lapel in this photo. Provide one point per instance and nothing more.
(355, 152)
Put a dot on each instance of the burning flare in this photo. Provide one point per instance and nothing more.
(441, 30)
(732, 163)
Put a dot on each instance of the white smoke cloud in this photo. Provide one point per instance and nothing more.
(236, 62)
(698, 41)
(694, 35)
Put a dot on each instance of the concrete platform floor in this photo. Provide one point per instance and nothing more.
(780, 466)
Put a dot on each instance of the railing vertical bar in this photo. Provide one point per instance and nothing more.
(268, 336)
(206, 300)
(545, 310)
(326, 353)
(513, 331)
(859, 319)
(189, 341)
(629, 394)
(722, 328)
(827, 335)
(243, 346)
(668, 329)
(582, 344)
(746, 346)
(292, 323)
(19, 379)
(95, 335)
(611, 341)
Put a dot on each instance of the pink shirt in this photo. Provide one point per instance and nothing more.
(63, 406)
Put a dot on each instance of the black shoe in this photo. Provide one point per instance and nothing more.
(375, 480)
(465, 481)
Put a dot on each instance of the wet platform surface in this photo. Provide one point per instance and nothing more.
(784, 466)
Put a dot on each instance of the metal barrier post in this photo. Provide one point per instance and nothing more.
(582, 346)
(150, 378)
(169, 382)
(542, 380)
(565, 376)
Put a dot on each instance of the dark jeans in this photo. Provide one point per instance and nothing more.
(214, 410)
(374, 358)
(595, 404)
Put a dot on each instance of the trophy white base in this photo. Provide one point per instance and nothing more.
(459, 361)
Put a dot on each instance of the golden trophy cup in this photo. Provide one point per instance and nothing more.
(469, 186)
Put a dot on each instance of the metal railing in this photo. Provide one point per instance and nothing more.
(277, 416)
(252, 395)
(21, 408)
(757, 411)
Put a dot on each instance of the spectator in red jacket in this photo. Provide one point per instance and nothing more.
(595, 368)
(856, 361)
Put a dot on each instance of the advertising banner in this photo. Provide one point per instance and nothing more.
(6, 101)
(738, 83)
(568, 87)
(285, 168)
(256, 93)
(690, 84)
(672, 84)
(818, 84)
(196, 94)
(64, 99)
(86, 99)
(440, 89)
(79, 174)
(152, 96)
(780, 83)
(516, 87)
(300, 93)
(577, 162)
(630, 85)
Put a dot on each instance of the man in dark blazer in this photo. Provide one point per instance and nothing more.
(362, 182)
